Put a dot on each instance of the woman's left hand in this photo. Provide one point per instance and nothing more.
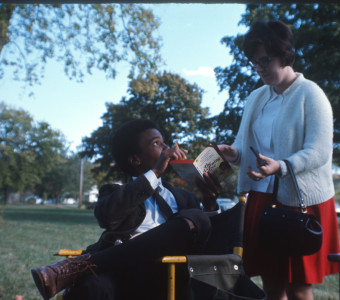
(271, 167)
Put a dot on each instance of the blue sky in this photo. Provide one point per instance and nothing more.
(191, 36)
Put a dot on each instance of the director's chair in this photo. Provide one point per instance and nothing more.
(218, 270)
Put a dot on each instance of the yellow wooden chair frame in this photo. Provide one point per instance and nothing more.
(170, 260)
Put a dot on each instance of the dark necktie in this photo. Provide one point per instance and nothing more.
(162, 204)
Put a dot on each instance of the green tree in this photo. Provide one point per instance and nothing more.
(172, 103)
(28, 150)
(82, 37)
(63, 180)
(52, 185)
(316, 28)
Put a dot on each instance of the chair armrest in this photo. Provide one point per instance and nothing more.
(69, 253)
(173, 259)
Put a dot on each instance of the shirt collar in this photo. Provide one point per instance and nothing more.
(288, 90)
(159, 182)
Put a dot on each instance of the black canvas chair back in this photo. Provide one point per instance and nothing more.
(227, 233)
(218, 274)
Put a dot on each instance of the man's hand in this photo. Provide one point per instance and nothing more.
(167, 155)
(210, 189)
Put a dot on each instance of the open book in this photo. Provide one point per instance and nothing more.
(209, 160)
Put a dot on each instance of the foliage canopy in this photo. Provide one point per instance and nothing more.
(81, 36)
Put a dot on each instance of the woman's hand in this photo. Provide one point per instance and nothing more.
(271, 167)
(229, 152)
(210, 188)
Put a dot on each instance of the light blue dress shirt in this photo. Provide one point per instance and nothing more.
(153, 216)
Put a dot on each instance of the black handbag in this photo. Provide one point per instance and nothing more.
(289, 232)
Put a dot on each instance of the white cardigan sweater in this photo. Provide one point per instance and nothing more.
(302, 133)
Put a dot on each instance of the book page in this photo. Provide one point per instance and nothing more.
(210, 161)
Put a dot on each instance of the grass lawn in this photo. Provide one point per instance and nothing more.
(29, 235)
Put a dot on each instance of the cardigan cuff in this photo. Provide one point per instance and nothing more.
(283, 169)
(237, 160)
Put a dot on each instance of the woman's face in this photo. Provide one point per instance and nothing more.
(269, 68)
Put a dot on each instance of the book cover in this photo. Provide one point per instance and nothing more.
(209, 160)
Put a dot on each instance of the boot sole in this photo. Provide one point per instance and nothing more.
(38, 279)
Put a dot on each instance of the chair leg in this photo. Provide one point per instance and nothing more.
(172, 261)
(171, 282)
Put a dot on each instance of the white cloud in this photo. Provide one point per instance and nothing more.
(201, 71)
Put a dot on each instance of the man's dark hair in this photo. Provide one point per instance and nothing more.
(125, 142)
(275, 36)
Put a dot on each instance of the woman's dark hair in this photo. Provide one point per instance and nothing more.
(125, 142)
(275, 36)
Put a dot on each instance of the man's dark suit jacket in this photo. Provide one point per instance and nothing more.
(120, 209)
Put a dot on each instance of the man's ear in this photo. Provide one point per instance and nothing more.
(134, 160)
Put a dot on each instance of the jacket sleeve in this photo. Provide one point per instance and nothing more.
(117, 204)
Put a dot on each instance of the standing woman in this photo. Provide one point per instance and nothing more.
(289, 118)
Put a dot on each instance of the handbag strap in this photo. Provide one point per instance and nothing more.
(298, 192)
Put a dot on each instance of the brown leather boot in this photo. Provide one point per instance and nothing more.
(56, 277)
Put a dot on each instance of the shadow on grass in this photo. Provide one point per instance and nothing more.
(50, 215)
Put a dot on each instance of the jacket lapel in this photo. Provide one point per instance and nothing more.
(178, 196)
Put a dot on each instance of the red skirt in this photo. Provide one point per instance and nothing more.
(309, 269)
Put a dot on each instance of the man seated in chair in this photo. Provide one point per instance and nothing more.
(143, 219)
